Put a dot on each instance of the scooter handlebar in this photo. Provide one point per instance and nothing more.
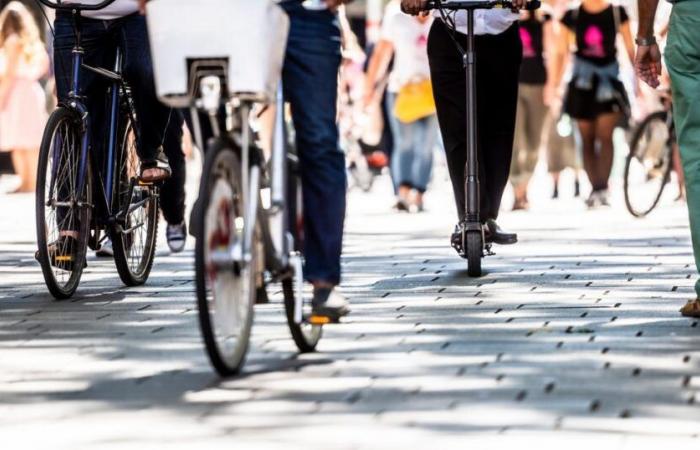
(62, 5)
(476, 4)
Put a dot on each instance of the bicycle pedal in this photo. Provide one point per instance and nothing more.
(321, 320)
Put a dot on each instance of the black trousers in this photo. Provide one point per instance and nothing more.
(498, 68)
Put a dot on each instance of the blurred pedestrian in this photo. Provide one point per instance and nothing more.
(683, 61)
(596, 97)
(413, 122)
(561, 150)
(537, 36)
(23, 62)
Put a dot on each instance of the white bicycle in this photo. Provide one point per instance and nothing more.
(249, 219)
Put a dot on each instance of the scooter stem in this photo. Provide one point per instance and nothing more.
(472, 170)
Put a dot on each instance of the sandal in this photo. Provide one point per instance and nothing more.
(691, 309)
(161, 163)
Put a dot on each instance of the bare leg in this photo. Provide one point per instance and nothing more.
(22, 164)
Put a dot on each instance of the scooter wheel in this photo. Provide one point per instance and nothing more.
(475, 252)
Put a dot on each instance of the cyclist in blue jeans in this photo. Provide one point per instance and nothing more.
(160, 128)
(310, 79)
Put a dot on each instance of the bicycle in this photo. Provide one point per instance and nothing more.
(78, 203)
(473, 241)
(249, 220)
(652, 158)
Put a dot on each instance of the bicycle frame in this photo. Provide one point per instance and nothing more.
(75, 103)
(273, 220)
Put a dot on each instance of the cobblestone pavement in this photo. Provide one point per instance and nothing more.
(572, 339)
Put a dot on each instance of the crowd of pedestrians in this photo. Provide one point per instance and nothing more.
(549, 83)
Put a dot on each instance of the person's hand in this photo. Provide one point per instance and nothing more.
(647, 64)
(142, 6)
(519, 4)
(414, 7)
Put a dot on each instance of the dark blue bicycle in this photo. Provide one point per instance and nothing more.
(80, 201)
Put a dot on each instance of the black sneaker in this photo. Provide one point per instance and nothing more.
(177, 237)
(328, 306)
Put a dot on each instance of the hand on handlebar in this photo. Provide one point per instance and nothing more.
(414, 7)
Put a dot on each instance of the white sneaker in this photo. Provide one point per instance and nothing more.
(177, 237)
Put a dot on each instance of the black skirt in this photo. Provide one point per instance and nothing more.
(582, 104)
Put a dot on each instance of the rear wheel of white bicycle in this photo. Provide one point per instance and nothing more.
(225, 296)
(305, 335)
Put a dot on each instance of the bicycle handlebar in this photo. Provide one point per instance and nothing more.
(476, 4)
(61, 5)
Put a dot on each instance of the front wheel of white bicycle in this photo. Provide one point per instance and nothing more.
(225, 295)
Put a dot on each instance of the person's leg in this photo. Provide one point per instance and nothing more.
(402, 161)
(498, 69)
(449, 89)
(172, 194)
(522, 117)
(310, 85)
(153, 116)
(423, 161)
(394, 125)
(537, 112)
(587, 132)
(604, 128)
(98, 49)
(19, 162)
(682, 56)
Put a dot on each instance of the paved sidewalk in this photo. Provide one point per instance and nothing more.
(573, 339)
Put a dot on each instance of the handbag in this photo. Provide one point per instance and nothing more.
(415, 101)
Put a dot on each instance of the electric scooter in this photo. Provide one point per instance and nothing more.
(473, 240)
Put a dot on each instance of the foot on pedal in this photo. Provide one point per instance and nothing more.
(328, 306)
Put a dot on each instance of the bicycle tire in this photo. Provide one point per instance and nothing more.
(220, 182)
(638, 135)
(475, 253)
(305, 335)
(66, 123)
(134, 248)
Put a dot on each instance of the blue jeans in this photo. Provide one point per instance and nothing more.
(310, 79)
(412, 160)
(158, 125)
(100, 40)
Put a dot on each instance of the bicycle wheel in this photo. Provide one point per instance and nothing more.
(648, 165)
(63, 210)
(305, 335)
(475, 252)
(136, 205)
(225, 297)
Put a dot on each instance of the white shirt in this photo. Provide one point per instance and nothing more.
(410, 40)
(119, 8)
(491, 21)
